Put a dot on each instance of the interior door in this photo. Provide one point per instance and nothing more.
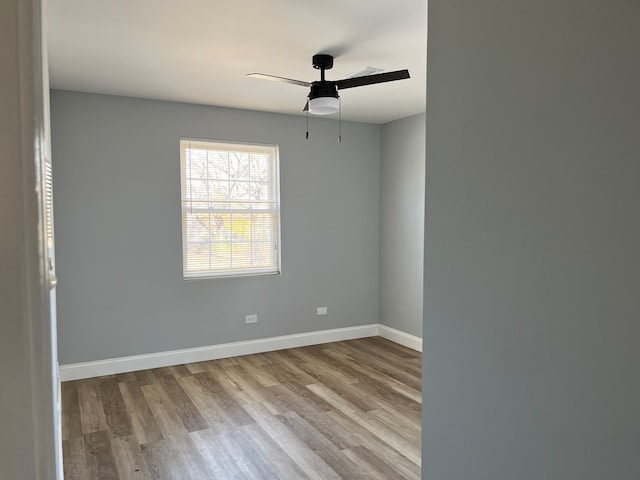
(29, 386)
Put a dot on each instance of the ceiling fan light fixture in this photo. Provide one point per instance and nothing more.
(324, 105)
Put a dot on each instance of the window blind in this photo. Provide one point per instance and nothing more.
(230, 209)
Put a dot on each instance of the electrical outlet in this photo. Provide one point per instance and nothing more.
(251, 319)
(321, 311)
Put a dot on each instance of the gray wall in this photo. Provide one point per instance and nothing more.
(118, 228)
(402, 166)
(532, 288)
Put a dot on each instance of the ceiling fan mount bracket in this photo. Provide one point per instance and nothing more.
(322, 61)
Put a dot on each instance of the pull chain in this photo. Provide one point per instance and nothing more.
(307, 124)
(339, 120)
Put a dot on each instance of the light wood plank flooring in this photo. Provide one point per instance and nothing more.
(344, 410)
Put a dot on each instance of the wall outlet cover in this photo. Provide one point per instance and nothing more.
(251, 319)
(321, 311)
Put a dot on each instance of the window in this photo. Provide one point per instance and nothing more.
(230, 209)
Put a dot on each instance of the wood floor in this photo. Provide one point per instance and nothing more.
(344, 410)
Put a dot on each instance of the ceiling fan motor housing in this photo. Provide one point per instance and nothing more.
(323, 89)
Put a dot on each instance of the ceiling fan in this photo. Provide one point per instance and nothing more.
(323, 96)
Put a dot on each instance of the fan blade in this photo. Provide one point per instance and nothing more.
(371, 79)
(306, 107)
(279, 79)
(364, 72)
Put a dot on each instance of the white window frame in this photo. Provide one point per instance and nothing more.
(233, 207)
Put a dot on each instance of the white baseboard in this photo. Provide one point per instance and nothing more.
(410, 341)
(77, 371)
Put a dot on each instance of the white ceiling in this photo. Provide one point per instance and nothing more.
(199, 51)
